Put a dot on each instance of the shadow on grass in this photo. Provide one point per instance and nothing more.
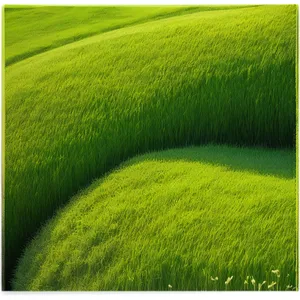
(279, 163)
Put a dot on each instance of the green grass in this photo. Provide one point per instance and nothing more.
(176, 217)
(34, 29)
(75, 112)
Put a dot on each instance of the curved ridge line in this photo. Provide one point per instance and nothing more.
(60, 43)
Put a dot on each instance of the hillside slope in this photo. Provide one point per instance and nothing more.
(176, 217)
(31, 30)
(75, 112)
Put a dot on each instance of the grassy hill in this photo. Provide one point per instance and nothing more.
(75, 112)
(31, 30)
(176, 217)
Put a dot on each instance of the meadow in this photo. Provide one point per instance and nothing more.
(77, 106)
(176, 218)
(32, 30)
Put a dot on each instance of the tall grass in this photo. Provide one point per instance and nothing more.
(31, 30)
(75, 112)
(175, 220)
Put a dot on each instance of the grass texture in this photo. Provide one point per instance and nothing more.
(176, 218)
(31, 30)
(75, 112)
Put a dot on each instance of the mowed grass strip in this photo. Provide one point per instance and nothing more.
(30, 30)
(176, 218)
(75, 112)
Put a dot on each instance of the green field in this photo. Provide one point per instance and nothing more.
(35, 30)
(88, 88)
(176, 217)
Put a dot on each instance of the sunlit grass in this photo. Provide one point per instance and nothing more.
(174, 221)
(36, 29)
(75, 112)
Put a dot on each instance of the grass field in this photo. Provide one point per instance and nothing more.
(221, 76)
(34, 30)
(176, 217)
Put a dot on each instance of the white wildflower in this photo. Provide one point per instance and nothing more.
(260, 285)
(276, 272)
(271, 285)
(228, 280)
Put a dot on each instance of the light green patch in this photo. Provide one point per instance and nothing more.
(75, 112)
(174, 217)
(30, 30)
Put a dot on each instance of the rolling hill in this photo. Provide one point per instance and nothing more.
(31, 30)
(73, 113)
(177, 217)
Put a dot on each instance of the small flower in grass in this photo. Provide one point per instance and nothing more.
(253, 282)
(271, 285)
(260, 285)
(169, 286)
(228, 280)
(276, 272)
(214, 279)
